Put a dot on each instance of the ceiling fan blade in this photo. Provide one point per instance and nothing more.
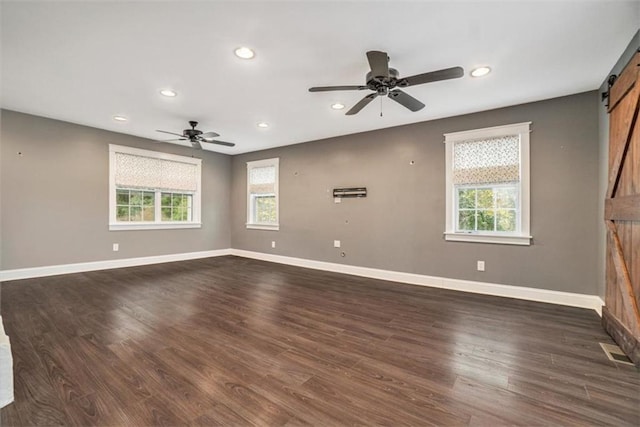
(406, 100)
(379, 63)
(170, 133)
(363, 103)
(331, 88)
(196, 144)
(171, 140)
(226, 144)
(208, 135)
(433, 76)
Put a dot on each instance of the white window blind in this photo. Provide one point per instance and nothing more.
(133, 171)
(262, 180)
(483, 161)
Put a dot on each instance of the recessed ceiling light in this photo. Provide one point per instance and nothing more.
(337, 106)
(480, 71)
(120, 118)
(263, 125)
(168, 93)
(244, 53)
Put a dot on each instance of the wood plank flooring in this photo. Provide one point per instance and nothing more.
(233, 341)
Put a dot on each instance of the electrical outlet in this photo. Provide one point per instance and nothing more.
(480, 265)
(116, 247)
(336, 243)
(273, 243)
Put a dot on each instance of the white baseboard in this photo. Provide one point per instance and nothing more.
(53, 270)
(592, 302)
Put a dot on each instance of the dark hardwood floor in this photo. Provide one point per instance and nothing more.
(233, 341)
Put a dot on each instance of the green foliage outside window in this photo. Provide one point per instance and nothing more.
(265, 208)
(135, 205)
(139, 206)
(175, 207)
(487, 208)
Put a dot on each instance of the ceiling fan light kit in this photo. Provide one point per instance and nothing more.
(386, 81)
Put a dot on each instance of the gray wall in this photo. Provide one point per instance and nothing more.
(55, 201)
(603, 127)
(55, 205)
(399, 225)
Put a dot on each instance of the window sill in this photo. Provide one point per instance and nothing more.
(154, 226)
(272, 227)
(488, 238)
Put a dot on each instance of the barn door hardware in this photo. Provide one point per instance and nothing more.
(610, 81)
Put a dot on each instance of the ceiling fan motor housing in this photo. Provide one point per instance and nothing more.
(382, 84)
(191, 133)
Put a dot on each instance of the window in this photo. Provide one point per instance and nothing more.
(151, 190)
(176, 206)
(487, 185)
(262, 194)
(135, 205)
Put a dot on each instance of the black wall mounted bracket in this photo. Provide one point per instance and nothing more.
(350, 192)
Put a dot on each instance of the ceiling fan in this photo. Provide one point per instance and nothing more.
(385, 81)
(197, 136)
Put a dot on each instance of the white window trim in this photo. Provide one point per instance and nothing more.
(114, 225)
(521, 238)
(257, 164)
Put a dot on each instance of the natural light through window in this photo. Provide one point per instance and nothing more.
(150, 190)
(487, 184)
(262, 194)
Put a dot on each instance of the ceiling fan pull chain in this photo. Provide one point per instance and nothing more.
(380, 106)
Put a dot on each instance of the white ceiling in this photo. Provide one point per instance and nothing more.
(84, 62)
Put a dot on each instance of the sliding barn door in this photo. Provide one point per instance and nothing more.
(620, 315)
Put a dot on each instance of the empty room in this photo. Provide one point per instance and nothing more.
(319, 213)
